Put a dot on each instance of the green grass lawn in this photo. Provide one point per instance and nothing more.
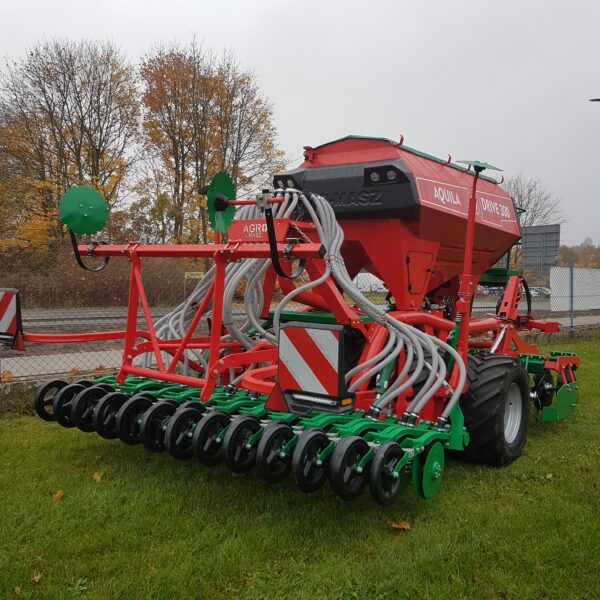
(156, 528)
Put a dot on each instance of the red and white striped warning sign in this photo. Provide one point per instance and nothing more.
(10, 321)
(309, 359)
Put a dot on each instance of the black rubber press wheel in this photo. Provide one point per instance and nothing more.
(346, 479)
(207, 441)
(180, 431)
(236, 454)
(61, 405)
(82, 409)
(309, 472)
(105, 414)
(129, 418)
(272, 463)
(154, 424)
(44, 397)
(384, 482)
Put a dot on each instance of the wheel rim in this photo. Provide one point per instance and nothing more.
(237, 457)
(309, 474)
(350, 476)
(105, 414)
(129, 419)
(512, 413)
(273, 466)
(154, 426)
(44, 398)
(208, 438)
(385, 484)
(82, 409)
(348, 481)
(178, 438)
(63, 402)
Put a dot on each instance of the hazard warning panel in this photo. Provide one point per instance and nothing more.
(310, 371)
(10, 319)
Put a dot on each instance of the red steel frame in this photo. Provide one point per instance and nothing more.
(223, 356)
(326, 294)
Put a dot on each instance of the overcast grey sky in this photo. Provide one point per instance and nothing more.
(504, 81)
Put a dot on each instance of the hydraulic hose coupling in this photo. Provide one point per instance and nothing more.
(374, 412)
(230, 390)
(442, 423)
(412, 419)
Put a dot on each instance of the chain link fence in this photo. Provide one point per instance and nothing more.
(59, 297)
(569, 295)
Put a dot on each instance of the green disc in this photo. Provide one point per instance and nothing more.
(433, 469)
(83, 210)
(221, 189)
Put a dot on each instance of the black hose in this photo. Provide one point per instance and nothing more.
(273, 248)
(78, 257)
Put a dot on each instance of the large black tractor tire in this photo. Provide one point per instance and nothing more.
(496, 408)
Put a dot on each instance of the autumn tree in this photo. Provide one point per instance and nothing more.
(541, 206)
(203, 114)
(69, 114)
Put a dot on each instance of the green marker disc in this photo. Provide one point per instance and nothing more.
(433, 470)
(220, 190)
(83, 210)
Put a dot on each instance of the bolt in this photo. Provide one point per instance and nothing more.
(395, 474)
(282, 454)
(247, 446)
(319, 462)
(359, 470)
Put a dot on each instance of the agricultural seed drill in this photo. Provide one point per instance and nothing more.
(324, 383)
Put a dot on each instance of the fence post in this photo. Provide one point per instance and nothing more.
(571, 291)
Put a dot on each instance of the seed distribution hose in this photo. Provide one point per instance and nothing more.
(422, 351)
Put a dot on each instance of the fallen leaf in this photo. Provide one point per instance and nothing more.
(97, 476)
(58, 496)
(86, 536)
(74, 371)
(402, 526)
(5, 376)
(17, 590)
(36, 577)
